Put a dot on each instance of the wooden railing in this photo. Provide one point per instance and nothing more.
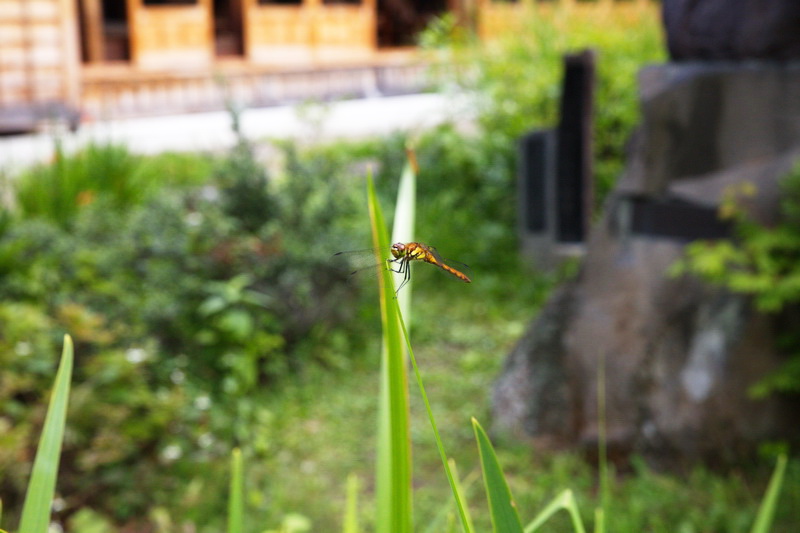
(149, 94)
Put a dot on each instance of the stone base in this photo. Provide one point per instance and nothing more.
(679, 355)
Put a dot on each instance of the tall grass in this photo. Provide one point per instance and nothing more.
(108, 172)
(41, 489)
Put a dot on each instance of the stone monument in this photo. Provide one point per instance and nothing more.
(679, 355)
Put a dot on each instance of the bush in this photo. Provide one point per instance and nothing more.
(761, 261)
(177, 301)
(516, 78)
(57, 190)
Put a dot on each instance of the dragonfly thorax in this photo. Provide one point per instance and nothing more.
(410, 251)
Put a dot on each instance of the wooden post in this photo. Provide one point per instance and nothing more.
(70, 54)
(372, 7)
(133, 7)
(93, 25)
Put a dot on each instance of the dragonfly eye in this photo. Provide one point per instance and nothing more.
(398, 249)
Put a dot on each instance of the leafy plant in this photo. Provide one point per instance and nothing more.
(178, 301)
(515, 77)
(58, 190)
(761, 261)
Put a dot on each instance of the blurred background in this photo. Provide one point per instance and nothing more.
(176, 176)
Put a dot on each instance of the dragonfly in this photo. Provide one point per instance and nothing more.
(402, 256)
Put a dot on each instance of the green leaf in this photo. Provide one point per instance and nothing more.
(766, 512)
(454, 486)
(236, 501)
(393, 479)
(351, 510)
(505, 518)
(403, 228)
(39, 498)
(566, 501)
(459, 493)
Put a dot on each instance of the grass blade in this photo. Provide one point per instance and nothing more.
(766, 511)
(236, 501)
(502, 508)
(351, 509)
(450, 477)
(393, 480)
(566, 501)
(403, 228)
(39, 498)
(602, 452)
(460, 493)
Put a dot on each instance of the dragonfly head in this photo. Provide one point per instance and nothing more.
(398, 250)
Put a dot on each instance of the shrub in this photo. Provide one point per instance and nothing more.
(516, 78)
(761, 261)
(178, 301)
(57, 190)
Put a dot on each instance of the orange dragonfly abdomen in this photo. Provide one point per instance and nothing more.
(415, 251)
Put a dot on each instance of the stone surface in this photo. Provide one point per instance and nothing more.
(732, 29)
(679, 355)
(699, 119)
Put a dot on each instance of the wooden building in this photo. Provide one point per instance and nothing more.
(113, 58)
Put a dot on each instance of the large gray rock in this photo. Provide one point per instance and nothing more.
(700, 119)
(679, 355)
(732, 29)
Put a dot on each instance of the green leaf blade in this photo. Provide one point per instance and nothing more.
(505, 518)
(403, 227)
(351, 509)
(393, 480)
(236, 501)
(766, 511)
(41, 490)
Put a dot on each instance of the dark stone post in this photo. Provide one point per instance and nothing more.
(574, 157)
(555, 171)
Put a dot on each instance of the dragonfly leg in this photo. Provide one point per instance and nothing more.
(405, 269)
(399, 267)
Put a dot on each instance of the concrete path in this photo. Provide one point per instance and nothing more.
(212, 131)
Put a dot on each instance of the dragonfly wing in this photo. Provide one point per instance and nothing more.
(355, 253)
(364, 263)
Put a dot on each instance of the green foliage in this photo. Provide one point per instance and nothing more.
(235, 495)
(42, 484)
(192, 298)
(766, 511)
(503, 510)
(393, 477)
(762, 261)
(56, 191)
(516, 77)
(244, 191)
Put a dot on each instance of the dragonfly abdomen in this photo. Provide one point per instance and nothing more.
(460, 275)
